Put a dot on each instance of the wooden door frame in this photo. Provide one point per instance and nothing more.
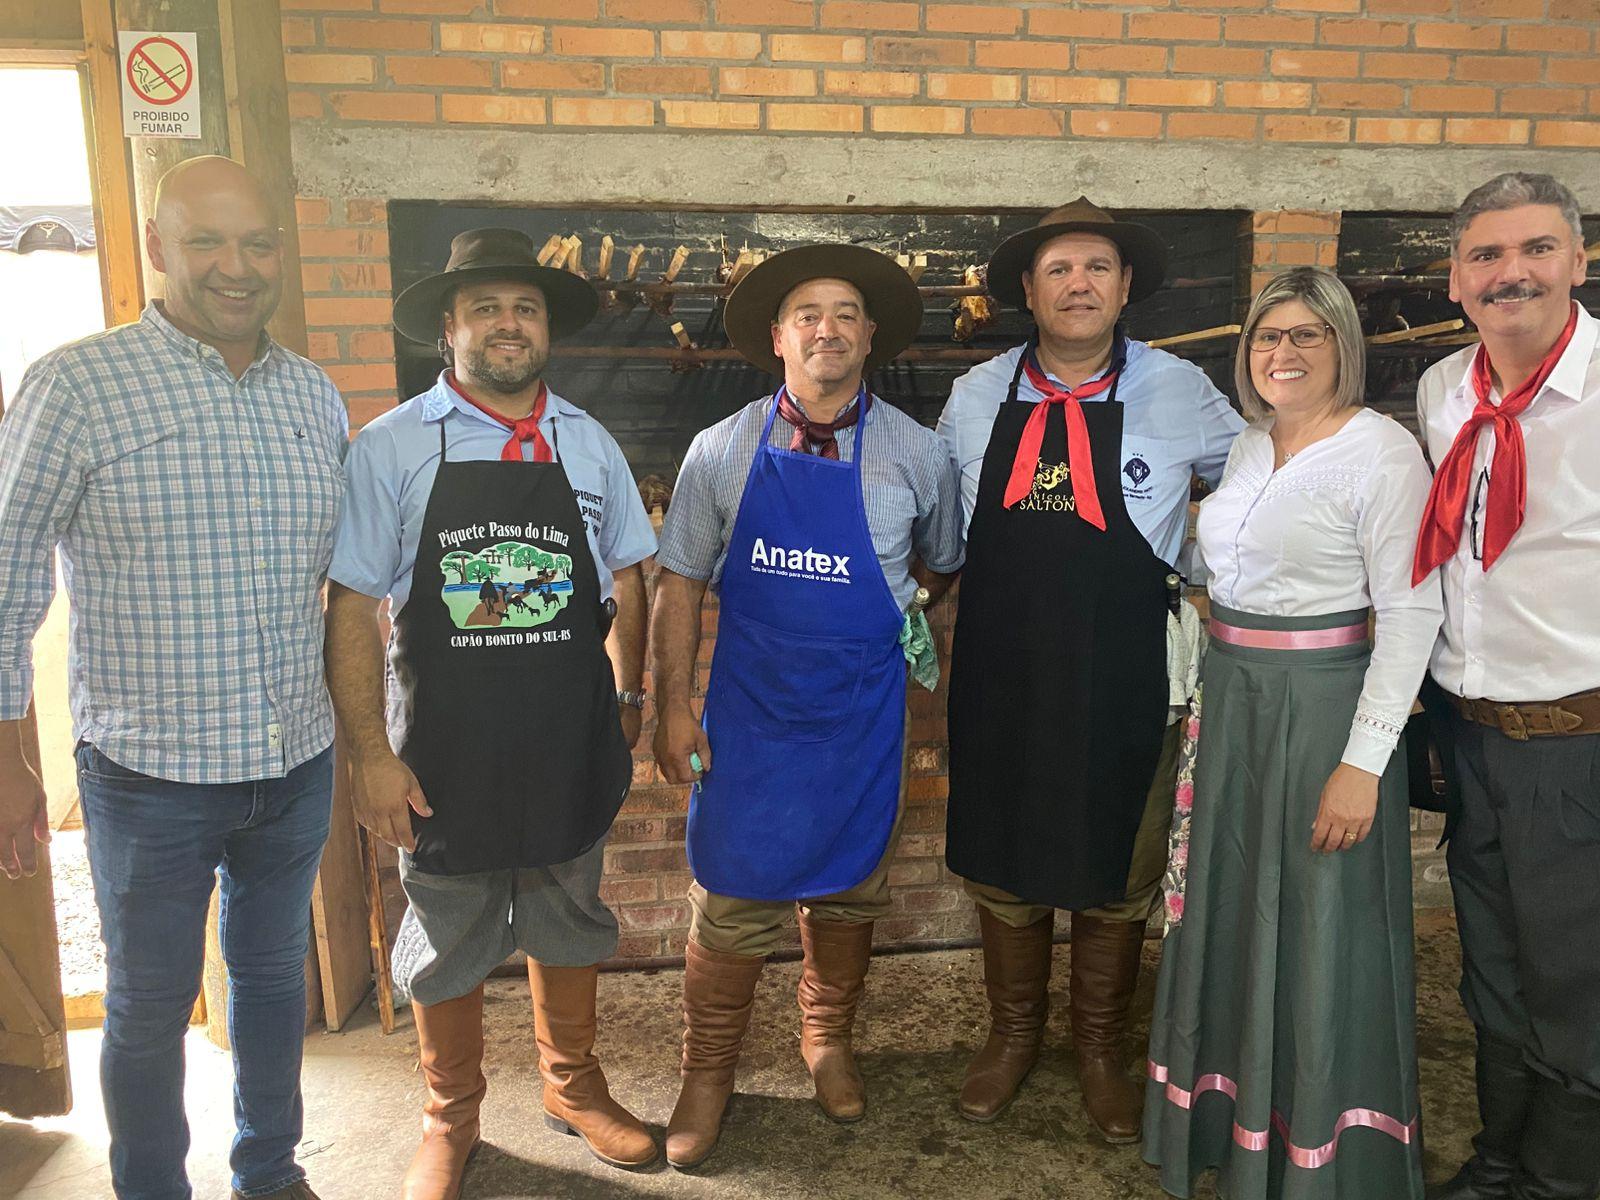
(34, 1076)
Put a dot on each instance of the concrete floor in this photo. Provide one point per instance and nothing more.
(923, 1016)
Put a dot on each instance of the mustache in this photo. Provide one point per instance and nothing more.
(1512, 291)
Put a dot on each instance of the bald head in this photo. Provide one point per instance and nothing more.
(207, 180)
(215, 237)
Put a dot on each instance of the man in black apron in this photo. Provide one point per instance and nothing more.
(1076, 452)
(506, 753)
(815, 513)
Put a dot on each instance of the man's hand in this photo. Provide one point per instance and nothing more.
(23, 819)
(385, 789)
(678, 735)
(632, 720)
(1349, 804)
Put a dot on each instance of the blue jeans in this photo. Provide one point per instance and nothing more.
(155, 848)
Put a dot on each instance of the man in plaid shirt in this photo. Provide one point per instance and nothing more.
(190, 470)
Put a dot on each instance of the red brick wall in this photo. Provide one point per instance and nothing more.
(1512, 72)
(1280, 74)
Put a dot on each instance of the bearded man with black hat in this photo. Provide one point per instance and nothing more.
(1061, 777)
(501, 809)
(815, 513)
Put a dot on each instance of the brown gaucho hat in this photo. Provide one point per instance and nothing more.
(893, 302)
(1141, 248)
(487, 256)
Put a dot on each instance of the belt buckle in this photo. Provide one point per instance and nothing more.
(1511, 722)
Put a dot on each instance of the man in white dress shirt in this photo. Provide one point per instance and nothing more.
(1513, 522)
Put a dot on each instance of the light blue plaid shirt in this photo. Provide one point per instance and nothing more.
(910, 488)
(195, 517)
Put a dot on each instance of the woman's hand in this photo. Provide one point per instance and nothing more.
(1349, 804)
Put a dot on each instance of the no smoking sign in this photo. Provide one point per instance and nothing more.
(159, 97)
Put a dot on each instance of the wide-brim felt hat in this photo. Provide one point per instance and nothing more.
(1141, 248)
(491, 256)
(893, 302)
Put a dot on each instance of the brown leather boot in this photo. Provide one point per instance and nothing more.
(1016, 974)
(450, 1040)
(576, 1099)
(718, 991)
(1105, 969)
(832, 979)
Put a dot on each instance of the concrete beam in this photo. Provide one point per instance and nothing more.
(760, 171)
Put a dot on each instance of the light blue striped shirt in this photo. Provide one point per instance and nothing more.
(395, 458)
(909, 485)
(194, 514)
(1175, 424)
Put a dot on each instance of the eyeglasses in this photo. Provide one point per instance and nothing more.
(1303, 337)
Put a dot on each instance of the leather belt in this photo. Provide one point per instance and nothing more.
(1575, 714)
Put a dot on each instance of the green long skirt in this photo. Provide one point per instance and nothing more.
(1283, 1046)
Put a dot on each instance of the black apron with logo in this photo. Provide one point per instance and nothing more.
(1058, 680)
(501, 698)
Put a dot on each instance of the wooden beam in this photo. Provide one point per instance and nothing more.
(1198, 335)
(152, 156)
(40, 52)
(257, 99)
(339, 908)
(1421, 331)
(115, 216)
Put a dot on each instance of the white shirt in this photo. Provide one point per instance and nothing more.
(1528, 629)
(1175, 424)
(1333, 529)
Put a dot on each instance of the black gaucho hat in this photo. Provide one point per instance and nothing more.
(1140, 246)
(485, 256)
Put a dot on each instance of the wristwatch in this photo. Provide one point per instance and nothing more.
(636, 699)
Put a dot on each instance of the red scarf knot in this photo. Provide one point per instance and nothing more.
(1446, 513)
(819, 434)
(1085, 496)
(523, 429)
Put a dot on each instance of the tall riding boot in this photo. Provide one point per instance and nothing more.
(718, 991)
(576, 1099)
(1105, 970)
(450, 1044)
(1016, 975)
(1505, 1091)
(1560, 1146)
(831, 982)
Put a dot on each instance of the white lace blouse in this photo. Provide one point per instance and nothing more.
(1333, 529)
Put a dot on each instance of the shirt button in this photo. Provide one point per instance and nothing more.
(255, 501)
(261, 564)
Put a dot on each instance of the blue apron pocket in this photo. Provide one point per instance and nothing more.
(789, 687)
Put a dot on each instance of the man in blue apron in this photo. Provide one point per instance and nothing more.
(1076, 452)
(815, 513)
(506, 753)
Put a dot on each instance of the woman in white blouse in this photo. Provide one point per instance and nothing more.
(1282, 1052)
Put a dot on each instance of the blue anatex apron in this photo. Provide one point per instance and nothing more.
(805, 710)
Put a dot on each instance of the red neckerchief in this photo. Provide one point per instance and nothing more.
(526, 429)
(1086, 498)
(1508, 483)
(821, 434)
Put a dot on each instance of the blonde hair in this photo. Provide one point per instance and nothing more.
(1321, 292)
